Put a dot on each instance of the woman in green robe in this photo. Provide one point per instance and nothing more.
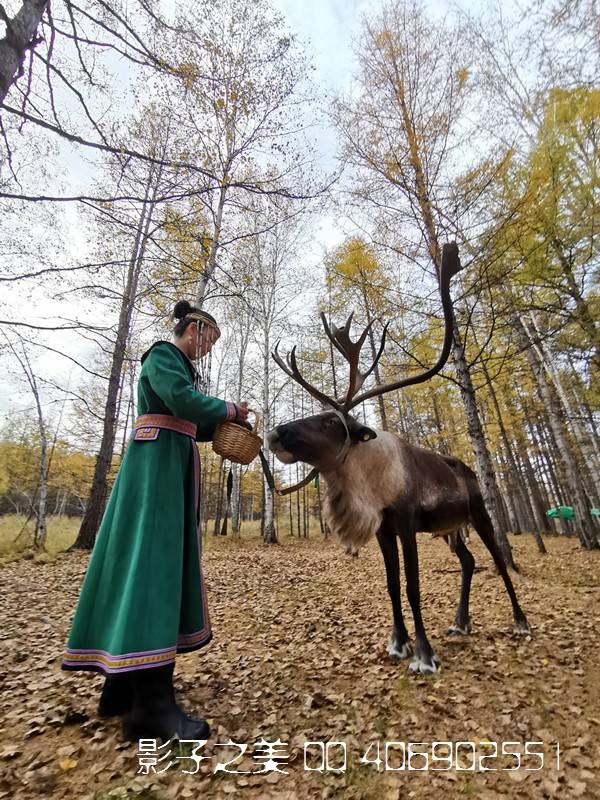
(143, 599)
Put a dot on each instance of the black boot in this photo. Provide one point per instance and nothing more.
(155, 714)
(117, 695)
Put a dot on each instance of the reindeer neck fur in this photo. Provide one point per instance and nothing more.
(372, 476)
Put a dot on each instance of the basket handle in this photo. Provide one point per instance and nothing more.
(257, 420)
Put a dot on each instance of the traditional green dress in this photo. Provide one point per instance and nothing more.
(143, 598)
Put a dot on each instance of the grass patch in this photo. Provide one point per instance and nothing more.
(250, 532)
(16, 537)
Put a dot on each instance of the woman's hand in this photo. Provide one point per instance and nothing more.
(242, 412)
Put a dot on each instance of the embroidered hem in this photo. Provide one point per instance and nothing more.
(101, 661)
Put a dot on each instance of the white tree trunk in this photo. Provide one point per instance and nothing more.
(483, 462)
(41, 523)
(585, 525)
(244, 331)
(211, 261)
(269, 529)
(585, 442)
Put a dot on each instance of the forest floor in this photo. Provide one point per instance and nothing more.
(299, 656)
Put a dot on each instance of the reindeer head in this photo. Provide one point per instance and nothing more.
(323, 440)
(320, 440)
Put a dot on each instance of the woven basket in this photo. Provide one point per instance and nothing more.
(236, 443)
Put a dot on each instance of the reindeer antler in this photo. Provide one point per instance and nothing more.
(340, 338)
(450, 266)
(290, 367)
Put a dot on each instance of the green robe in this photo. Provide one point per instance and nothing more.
(143, 598)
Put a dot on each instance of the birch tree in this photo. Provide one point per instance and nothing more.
(586, 527)
(243, 325)
(273, 257)
(240, 93)
(38, 506)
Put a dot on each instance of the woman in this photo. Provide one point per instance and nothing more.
(143, 599)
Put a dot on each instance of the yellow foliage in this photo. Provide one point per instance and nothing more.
(189, 73)
(462, 76)
(188, 238)
(354, 275)
(70, 470)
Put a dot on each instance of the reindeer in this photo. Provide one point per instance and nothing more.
(376, 484)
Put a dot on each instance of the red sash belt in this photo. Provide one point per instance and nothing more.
(148, 426)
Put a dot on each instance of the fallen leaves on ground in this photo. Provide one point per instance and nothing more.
(299, 655)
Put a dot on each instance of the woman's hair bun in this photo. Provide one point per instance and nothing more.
(182, 308)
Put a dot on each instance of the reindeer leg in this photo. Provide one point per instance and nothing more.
(483, 525)
(425, 660)
(400, 645)
(462, 622)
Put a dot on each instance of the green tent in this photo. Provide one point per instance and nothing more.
(563, 512)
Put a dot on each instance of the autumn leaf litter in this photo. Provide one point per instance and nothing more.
(299, 655)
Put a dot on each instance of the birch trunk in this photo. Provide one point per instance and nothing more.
(236, 468)
(507, 499)
(483, 462)
(236, 500)
(39, 536)
(512, 465)
(501, 506)
(269, 529)
(41, 491)
(585, 525)
(584, 441)
(320, 510)
(211, 261)
(548, 450)
(220, 497)
(41, 526)
(538, 504)
(522, 456)
(207, 461)
(594, 437)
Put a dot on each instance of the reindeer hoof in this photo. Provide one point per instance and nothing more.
(405, 650)
(425, 666)
(459, 630)
(522, 628)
